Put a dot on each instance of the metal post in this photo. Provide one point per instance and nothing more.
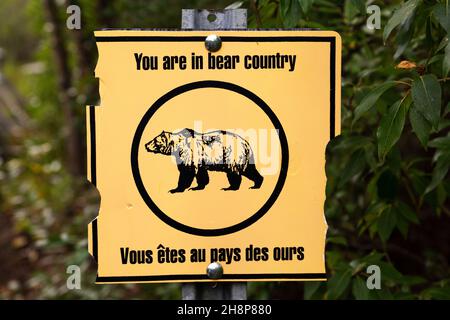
(204, 19)
(214, 20)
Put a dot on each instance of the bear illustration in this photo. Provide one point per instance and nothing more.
(196, 153)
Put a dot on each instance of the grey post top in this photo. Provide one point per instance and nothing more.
(205, 19)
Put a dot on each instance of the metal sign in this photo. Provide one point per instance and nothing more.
(212, 152)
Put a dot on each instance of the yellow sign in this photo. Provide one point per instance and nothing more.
(202, 157)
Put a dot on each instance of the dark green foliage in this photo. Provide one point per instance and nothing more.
(388, 171)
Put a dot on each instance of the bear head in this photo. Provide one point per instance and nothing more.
(162, 144)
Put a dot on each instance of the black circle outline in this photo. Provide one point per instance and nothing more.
(192, 86)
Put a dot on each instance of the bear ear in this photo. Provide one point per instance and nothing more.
(187, 132)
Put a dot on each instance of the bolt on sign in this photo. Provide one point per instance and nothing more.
(204, 157)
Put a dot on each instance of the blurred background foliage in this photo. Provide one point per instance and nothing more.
(387, 191)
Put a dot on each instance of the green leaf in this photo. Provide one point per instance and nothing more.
(407, 212)
(390, 273)
(437, 293)
(447, 109)
(442, 44)
(337, 240)
(404, 37)
(306, 5)
(439, 171)
(359, 289)
(235, 5)
(444, 124)
(419, 181)
(429, 34)
(441, 196)
(350, 11)
(426, 94)
(402, 226)
(354, 166)
(334, 260)
(399, 16)
(420, 125)
(373, 258)
(384, 294)
(386, 223)
(446, 61)
(442, 143)
(391, 128)
(350, 143)
(292, 13)
(338, 284)
(405, 216)
(360, 5)
(442, 13)
(369, 100)
(284, 7)
(370, 156)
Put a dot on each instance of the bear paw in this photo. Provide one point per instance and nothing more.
(230, 188)
(197, 188)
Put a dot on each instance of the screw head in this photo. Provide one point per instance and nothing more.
(213, 43)
(214, 270)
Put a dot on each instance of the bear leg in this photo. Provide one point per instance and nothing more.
(202, 179)
(253, 174)
(184, 180)
(235, 181)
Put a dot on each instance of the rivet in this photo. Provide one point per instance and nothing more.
(213, 43)
(214, 270)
